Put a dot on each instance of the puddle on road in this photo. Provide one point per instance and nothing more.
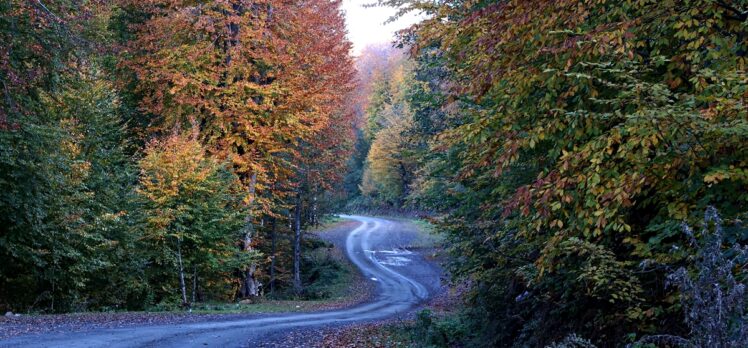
(395, 261)
(396, 257)
(396, 251)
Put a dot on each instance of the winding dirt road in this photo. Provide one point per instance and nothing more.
(377, 247)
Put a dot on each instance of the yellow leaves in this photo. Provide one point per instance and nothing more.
(678, 210)
(726, 173)
(278, 84)
(384, 172)
(715, 177)
(557, 223)
(173, 165)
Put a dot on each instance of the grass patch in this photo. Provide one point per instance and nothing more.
(426, 330)
(327, 274)
(263, 306)
(326, 223)
(327, 279)
(428, 235)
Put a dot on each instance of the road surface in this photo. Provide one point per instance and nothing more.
(404, 279)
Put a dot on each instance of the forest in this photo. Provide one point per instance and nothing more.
(587, 160)
(163, 152)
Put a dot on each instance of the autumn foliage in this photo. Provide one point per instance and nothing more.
(147, 145)
(563, 143)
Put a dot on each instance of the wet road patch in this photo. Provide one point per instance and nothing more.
(396, 257)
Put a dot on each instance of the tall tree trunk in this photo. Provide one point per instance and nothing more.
(297, 245)
(182, 286)
(194, 284)
(274, 238)
(405, 184)
(315, 218)
(250, 286)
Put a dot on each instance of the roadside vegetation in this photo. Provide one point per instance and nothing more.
(561, 146)
(169, 154)
(329, 281)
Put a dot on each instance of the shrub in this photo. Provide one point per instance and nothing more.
(713, 299)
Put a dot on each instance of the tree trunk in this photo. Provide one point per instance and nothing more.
(194, 284)
(297, 246)
(182, 286)
(250, 286)
(405, 184)
(274, 237)
(315, 221)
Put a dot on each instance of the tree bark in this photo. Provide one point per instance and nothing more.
(182, 286)
(194, 284)
(274, 237)
(250, 286)
(297, 246)
(405, 184)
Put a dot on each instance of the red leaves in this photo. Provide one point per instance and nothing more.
(258, 78)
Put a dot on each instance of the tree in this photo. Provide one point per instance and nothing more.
(192, 210)
(66, 182)
(318, 44)
(581, 134)
(88, 87)
(373, 67)
(64, 172)
(257, 79)
(388, 174)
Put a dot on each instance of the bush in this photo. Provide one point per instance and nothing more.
(325, 274)
(446, 331)
(713, 299)
(573, 341)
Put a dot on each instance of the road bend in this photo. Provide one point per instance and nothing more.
(377, 246)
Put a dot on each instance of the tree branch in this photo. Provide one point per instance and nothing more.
(45, 9)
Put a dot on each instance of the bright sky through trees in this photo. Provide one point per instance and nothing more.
(366, 25)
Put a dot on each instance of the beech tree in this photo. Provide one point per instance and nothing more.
(87, 89)
(389, 171)
(193, 214)
(580, 135)
(318, 45)
(261, 81)
(64, 171)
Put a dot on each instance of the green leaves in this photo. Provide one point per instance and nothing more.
(66, 189)
(587, 131)
(191, 207)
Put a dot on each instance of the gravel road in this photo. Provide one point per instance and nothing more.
(377, 246)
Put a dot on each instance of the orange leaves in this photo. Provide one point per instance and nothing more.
(257, 78)
(174, 164)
